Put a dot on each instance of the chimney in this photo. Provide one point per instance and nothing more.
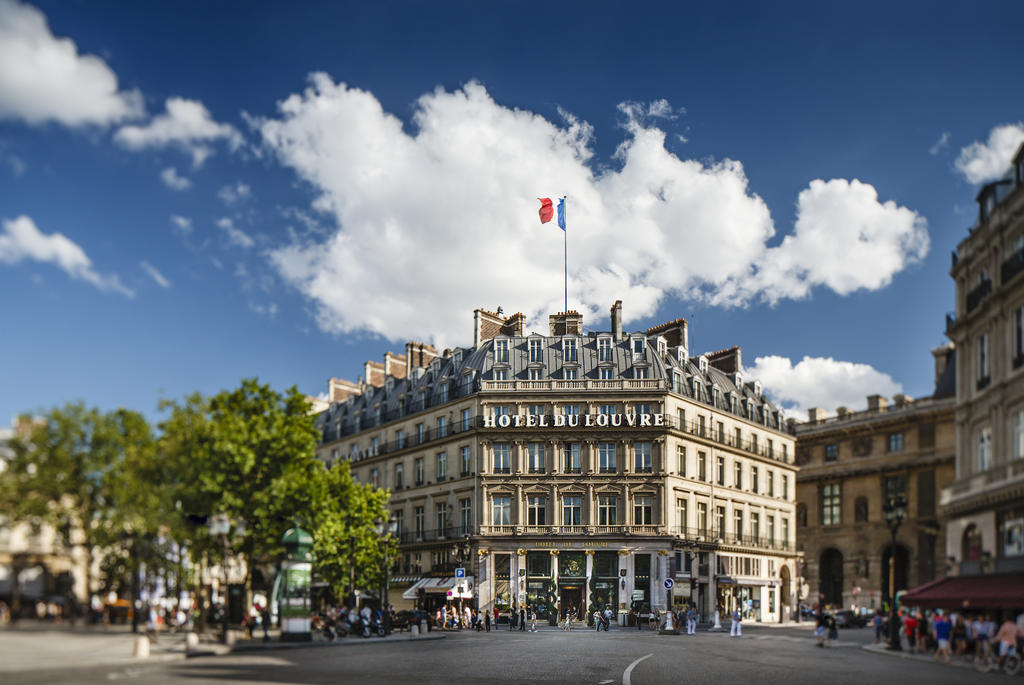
(901, 400)
(486, 325)
(877, 403)
(394, 365)
(566, 323)
(514, 325)
(676, 333)
(418, 355)
(841, 412)
(339, 389)
(815, 414)
(941, 355)
(616, 316)
(727, 361)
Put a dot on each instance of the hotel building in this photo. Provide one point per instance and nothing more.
(576, 469)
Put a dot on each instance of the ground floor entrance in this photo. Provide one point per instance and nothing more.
(570, 599)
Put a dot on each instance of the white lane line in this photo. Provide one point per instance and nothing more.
(629, 669)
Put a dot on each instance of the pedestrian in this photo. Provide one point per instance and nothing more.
(877, 622)
(512, 618)
(1006, 639)
(487, 621)
(635, 614)
(833, 632)
(943, 632)
(522, 619)
(533, 620)
(959, 637)
(736, 629)
(691, 621)
(910, 630)
(819, 628)
(496, 614)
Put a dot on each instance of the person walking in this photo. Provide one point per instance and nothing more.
(511, 619)
(691, 621)
(943, 632)
(533, 620)
(522, 619)
(833, 633)
(1006, 639)
(487, 621)
(819, 628)
(496, 614)
(736, 629)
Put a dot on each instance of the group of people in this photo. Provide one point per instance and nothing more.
(955, 634)
(450, 618)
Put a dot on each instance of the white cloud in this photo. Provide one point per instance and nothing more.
(181, 224)
(980, 162)
(173, 181)
(44, 78)
(844, 239)
(820, 382)
(236, 236)
(230, 194)
(419, 216)
(185, 124)
(941, 144)
(155, 274)
(21, 239)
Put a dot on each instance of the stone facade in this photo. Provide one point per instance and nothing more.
(579, 470)
(984, 505)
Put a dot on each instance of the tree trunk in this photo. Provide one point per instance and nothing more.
(200, 600)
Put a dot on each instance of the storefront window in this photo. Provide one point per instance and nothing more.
(641, 599)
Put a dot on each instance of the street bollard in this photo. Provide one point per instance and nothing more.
(423, 627)
(141, 649)
(415, 630)
(191, 642)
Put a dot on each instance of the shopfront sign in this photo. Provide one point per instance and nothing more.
(627, 420)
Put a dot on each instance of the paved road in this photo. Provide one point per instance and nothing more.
(763, 655)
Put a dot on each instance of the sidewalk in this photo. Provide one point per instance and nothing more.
(926, 658)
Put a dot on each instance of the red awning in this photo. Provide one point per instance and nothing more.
(995, 591)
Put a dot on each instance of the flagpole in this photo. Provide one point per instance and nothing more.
(565, 254)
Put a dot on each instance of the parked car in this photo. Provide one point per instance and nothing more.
(850, 619)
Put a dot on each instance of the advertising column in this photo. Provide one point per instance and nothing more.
(294, 600)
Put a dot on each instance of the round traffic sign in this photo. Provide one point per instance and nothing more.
(669, 583)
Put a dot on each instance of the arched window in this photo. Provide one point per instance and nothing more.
(860, 510)
(801, 515)
(971, 545)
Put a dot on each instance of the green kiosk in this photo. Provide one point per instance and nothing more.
(294, 586)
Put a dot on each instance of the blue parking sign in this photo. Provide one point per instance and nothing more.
(460, 573)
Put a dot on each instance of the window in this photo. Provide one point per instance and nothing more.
(501, 410)
(737, 437)
(442, 426)
(640, 372)
(536, 351)
(831, 452)
(771, 483)
(984, 449)
(771, 530)
(500, 375)
(421, 433)
(465, 517)
(569, 352)
(860, 510)
(604, 349)
(755, 480)
(720, 435)
(1018, 435)
(502, 460)
(801, 515)
(721, 470)
(419, 470)
(418, 521)
(467, 419)
(535, 457)
(606, 409)
(1018, 336)
(895, 442)
(606, 509)
(638, 347)
(442, 466)
(535, 410)
(702, 466)
(785, 487)
(681, 520)
(572, 457)
(643, 510)
(642, 457)
(442, 393)
(375, 478)
(399, 439)
(535, 509)
(501, 508)
(606, 457)
(642, 408)
(681, 460)
(374, 446)
(681, 417)
(534, 374)
(895, 487)
(701, 426)
(737, 475)
(399, 523)
(720, 521)
(702, 517)
(771, 449)
(983, 357)
(785, 533)
(571, 409)
(606, 374)
(755, 525)
(830, 512)
(399, 479)
(572, 510)
(753, 443)
(501, 351)
(737, 523)
(464, 461)
(441, 516)
(571, 374)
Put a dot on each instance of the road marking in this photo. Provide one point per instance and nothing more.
(605, 682)
(629, 669)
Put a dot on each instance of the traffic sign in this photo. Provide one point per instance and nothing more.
(451, 594)
(460, 573)
(669, 583)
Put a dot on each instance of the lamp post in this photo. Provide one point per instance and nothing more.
(895, 510)
(385, 531)
(460, 552)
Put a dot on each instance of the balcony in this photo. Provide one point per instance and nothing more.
(561, 385)
(534, 531)
(980, 292)
(436, 535)
(1012, 266)
(984, 383)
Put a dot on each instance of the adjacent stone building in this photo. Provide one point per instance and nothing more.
(984, 504)
(851, 464)
(577, 469)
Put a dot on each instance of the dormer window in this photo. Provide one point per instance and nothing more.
(702, 363)
(757, 388)
(536, 350)
(570, 350)
(501, 351)
(637, 345)
(662, 348)
(457, 359)
(732, 403)
(677, 381)
(604, 349)
(716, 396)
(640, 372)
(442, 392)
(681, 355)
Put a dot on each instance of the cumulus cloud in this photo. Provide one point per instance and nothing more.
(173, 181)
(43, 78)
(230, 194)
(236, 236)
(21, 239)
(155, 274)
(185, 124)
(941, 144)
(981, 162)
(820, 382)
(181, 224)
(434, 223)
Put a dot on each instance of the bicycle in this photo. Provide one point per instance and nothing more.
(1012, 664)
(985, 661)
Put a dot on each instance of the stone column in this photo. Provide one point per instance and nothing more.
(519, 457)
(590, 517)
(520, 518)
(591, 465)
(555, 466)
(627, 466)
(627, 513)
(486, 456)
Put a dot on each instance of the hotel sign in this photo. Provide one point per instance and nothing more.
(626, 420)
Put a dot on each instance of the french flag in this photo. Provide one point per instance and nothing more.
(547, 211)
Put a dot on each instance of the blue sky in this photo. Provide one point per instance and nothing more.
(193, 193)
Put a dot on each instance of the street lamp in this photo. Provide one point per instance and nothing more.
(895, 510)
(385, 531)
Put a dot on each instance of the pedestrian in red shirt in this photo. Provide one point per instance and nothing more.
(910, 629)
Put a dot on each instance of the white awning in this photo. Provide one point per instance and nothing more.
(442, 585)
